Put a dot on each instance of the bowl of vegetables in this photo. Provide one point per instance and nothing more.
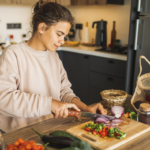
(113, 98)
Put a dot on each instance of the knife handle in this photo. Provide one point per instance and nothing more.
(74, 113)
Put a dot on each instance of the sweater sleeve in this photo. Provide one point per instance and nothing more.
(16, 103)
(66, 93)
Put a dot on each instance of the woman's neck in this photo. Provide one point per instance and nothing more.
(35, 43)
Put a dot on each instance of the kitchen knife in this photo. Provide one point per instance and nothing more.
(89, 115)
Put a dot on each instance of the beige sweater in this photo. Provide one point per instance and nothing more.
(29, 80)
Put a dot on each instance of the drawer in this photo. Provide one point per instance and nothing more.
(94, 95)
(106, 82)
(108, 66)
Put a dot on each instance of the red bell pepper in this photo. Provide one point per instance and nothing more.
(87, 129)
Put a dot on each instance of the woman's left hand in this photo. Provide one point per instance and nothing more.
(97, 108)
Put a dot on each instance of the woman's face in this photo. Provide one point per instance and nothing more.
(54, 36)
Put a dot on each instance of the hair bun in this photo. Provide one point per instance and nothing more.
(39, 4)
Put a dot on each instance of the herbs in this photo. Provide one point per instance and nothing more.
(103, 131)
(130, 113)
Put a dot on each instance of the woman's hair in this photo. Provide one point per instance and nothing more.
(50, 13)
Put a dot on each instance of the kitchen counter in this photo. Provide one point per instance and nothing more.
(139, 143)
(91, 51)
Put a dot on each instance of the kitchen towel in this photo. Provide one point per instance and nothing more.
(85, 36)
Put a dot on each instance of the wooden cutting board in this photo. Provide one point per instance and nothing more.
(131, 127)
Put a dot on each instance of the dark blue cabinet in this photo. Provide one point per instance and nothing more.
(77, 68)
(90, 75)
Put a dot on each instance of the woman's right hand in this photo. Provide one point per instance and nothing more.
(60, 109)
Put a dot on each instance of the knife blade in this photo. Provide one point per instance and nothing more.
(89, 115)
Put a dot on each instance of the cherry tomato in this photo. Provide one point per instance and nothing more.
(16, 143)
(10, 146)
(20, 140)
(34, 147)
(28, 146)
(21, 147)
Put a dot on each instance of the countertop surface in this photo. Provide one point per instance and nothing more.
(91, 51)
(139, 143)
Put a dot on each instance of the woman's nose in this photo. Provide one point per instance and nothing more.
(62, 41)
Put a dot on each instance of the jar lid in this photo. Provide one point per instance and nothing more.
(145, 107)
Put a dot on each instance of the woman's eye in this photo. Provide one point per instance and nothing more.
(58, 34)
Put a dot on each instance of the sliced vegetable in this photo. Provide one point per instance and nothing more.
(104, 131)
(119, 137)
(111, 135)
(116, 121)
(100, 120)
(133, 115)
(118, 111)
(126, 115)
(127, 109)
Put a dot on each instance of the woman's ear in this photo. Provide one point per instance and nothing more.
(41, 27)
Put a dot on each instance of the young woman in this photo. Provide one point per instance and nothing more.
(33, 81)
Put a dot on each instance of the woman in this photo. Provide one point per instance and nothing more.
(33, 81)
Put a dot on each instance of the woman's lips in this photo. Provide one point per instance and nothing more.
(56, 46)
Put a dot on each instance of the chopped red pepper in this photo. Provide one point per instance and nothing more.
(116, 134)
(87, 129)
(94, 132)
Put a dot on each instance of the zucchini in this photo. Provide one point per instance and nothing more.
(64, 134)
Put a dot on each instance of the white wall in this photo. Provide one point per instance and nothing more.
(82, 14)
(109, 13)
(14, 14)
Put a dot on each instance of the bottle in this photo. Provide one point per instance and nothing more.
(143, 114)
(113, 36)
(85, 36)
(11, 39)
(7, 42)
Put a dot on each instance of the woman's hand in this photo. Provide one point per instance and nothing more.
(97, 108)
(60, 109)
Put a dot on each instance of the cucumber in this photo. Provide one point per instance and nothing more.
(65, 134)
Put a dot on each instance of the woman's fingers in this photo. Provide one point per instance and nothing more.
(72, 106)
(101, 109)
(61, 113)
(65, 114)
(56, 114)
(104, 112)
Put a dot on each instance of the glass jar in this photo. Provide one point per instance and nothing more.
(1, 142)
(143, 114)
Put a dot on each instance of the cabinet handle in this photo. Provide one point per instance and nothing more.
(111, 61)
(110, 79)
(86, 57)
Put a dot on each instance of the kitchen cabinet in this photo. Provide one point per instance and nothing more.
(28, 2)
(96, 2)
(118, 2)
(108, 66)
(8, 1)
(60, 53)
(1, 1)
(77, 67)
(88, 2)
(64, 2)
(90, 75)
(105, 74)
